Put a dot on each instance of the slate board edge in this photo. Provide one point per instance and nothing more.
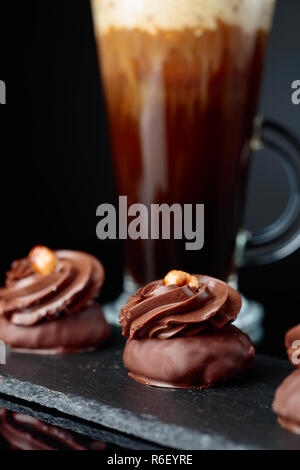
(144, 426)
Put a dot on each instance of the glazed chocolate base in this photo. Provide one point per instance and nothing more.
(287, 403)
(184, 362)
(81, 331)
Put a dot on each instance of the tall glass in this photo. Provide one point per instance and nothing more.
(181, 80)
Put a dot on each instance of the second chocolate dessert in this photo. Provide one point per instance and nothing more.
(48, 303)
(180, 334)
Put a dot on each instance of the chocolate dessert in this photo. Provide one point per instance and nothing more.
(287, 403)
(292, 344)
(48, 303)
(180, 334)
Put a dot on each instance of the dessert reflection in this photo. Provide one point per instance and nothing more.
(21, 432)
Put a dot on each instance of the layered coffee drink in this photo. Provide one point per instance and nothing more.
(181, 80)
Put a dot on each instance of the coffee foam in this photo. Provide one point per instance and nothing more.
(200, 15)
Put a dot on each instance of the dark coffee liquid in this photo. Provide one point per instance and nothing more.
(181, 110)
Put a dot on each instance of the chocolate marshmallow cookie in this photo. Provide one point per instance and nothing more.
(180, 334)
(48, 303)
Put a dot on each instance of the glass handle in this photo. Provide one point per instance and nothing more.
(282, 237)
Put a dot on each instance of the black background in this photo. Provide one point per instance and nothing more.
(55, 164)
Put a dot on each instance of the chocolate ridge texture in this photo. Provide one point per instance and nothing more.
(161, 311)
(28, 299)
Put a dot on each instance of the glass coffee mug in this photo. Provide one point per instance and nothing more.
(181, 81)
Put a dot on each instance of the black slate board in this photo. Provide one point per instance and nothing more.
(95, 387)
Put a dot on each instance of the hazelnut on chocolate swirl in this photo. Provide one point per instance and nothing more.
(164, 309)
(48, 301)
(292, 344)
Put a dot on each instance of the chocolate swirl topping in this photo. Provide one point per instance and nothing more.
(161, 311)
(28, 297)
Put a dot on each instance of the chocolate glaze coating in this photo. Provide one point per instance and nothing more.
(189, 361)
(293, 348)
(83, 330)
(287, 403)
